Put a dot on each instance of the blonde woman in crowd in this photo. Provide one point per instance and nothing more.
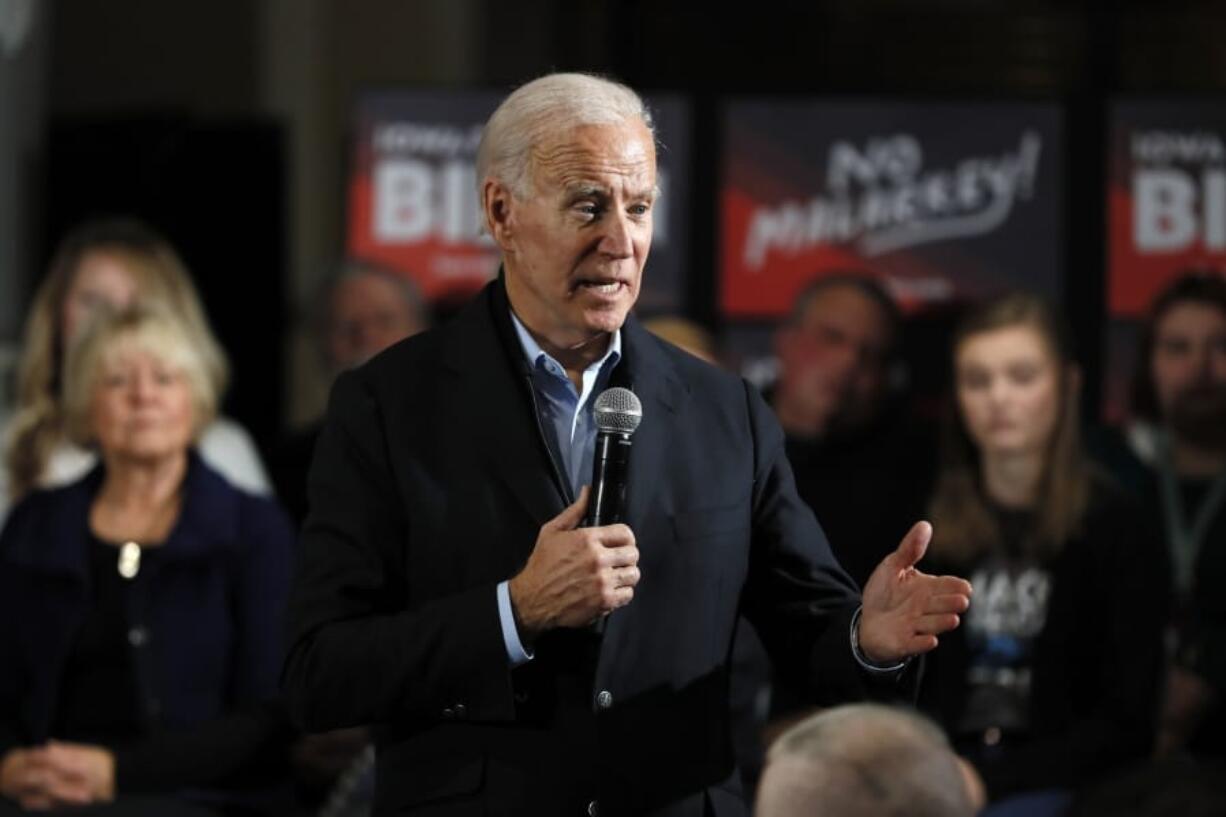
(140, 605)
(102, 265)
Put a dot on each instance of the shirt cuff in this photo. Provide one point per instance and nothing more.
(862, 659)
(516, 653)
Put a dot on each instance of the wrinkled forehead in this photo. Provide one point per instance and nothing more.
(598, 156)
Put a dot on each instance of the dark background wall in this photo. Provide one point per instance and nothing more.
(226, 122)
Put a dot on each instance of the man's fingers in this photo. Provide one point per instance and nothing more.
(913, 546)
(950, 603)
(937, 624)
(616, 597)
(572, 514)
(944, 586)
(615, 536)
(626, 576)
(920, 644)
(623, 556)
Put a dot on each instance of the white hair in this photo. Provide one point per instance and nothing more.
(863, 760)
(552, 104)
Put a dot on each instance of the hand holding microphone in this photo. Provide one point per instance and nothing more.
(577, 574)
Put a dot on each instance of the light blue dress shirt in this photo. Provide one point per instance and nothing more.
(566, 411)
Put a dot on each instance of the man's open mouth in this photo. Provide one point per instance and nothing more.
(601, 287)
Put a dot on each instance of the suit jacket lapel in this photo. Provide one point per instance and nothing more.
(494, 404)
(647, 372)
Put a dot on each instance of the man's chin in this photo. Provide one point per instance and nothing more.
(1201, 421)
(605, 320)
(1206, 431)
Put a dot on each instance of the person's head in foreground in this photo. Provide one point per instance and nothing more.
(866, 760)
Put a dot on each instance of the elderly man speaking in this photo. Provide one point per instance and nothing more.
(514, 660)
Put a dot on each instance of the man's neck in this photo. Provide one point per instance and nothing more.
(575, 356)
(575, 352)
(578, 358)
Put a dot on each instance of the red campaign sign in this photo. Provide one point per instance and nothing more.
(753, 291)
(412, 191)
(1166, 198)
(442, 262)
(1166, 211)
(943, 201)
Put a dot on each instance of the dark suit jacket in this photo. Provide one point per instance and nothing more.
(429, 486)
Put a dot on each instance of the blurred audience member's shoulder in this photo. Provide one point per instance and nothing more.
(1179, 786)
(33, 520)
(229, 449)
(686, 335)
(1112, 448)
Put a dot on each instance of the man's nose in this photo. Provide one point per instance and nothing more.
(841, 361)
(1202, 362)
(616, 240)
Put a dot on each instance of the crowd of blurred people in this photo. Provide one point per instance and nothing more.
(146, 549)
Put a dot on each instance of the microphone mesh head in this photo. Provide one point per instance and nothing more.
(618, 410)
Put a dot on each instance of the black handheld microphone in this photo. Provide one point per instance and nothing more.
(618, 413)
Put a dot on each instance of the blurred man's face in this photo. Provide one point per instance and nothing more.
(832, 375)
(368, 315)
(575, 247)
(1188, 367)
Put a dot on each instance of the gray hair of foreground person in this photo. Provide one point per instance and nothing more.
(864, 760)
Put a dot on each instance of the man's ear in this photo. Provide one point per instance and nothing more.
(497, 204)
